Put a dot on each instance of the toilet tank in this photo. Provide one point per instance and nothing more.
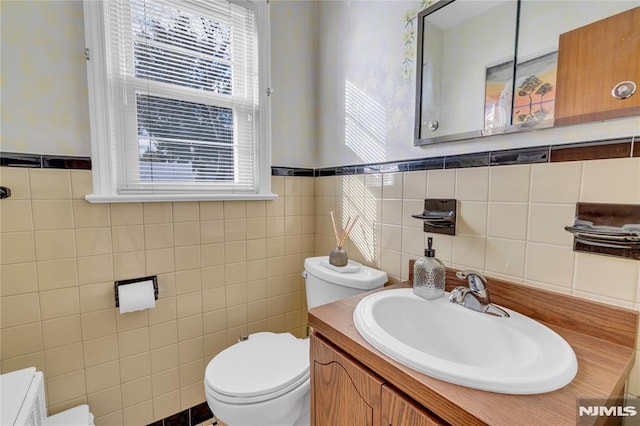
(326, 283)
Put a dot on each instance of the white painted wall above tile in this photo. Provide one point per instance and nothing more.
(366, 103)
(294, 74)
(44, 90)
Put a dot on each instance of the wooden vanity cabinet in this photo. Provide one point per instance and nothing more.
(591, 61)
(397, 410)
(343, 392)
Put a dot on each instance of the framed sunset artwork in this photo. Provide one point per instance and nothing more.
(535, 93)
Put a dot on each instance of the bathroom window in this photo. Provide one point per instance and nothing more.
(178, 95)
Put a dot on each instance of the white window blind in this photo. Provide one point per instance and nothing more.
(183, 112)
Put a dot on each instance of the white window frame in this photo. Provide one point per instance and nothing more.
(104, 151)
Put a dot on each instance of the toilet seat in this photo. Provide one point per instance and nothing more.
(260, 368)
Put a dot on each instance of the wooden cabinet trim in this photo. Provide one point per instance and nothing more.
(605, 52)
(399, 410)
(344, 375)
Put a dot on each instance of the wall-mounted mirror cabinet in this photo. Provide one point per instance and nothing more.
(501, 66)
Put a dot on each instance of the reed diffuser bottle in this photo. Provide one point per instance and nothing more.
(428, 274)
(338, 256)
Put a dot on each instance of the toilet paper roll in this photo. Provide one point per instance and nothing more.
(136, 296)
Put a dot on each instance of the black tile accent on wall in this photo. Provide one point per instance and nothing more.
(327, 171)
(291, 171)
(190, 417)
(281, 171)
(591, 150)
(520, 156)
(394, 167)
(59, 162)
(434, 163)
(480, 159)
(11, 159)
(350, 170)
(372, 168)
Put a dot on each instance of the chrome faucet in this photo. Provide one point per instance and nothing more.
(476, 295)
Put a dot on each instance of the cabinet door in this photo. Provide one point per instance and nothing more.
(342, 392)
(399, 411)
(591, 61)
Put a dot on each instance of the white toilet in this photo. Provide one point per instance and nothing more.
(264, 380)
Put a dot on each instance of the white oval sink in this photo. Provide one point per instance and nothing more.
(515, 355)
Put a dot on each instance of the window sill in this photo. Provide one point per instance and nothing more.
(160, 198)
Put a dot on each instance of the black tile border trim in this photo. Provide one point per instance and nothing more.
(190, 417)
(463, 161)
(530, 155)
(200, 413)
(59, 162)
(10, 159)
(520, 156)
(291, 171)
(426, 164)
(44, 161)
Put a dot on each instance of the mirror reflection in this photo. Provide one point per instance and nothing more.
(465, 80)
(456, 51)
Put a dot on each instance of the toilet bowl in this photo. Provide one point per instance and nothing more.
(265, 380)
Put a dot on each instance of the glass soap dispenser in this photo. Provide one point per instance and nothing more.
(428, 274)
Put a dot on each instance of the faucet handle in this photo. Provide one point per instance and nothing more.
(458, 294)
(476, 281)
(476, 296)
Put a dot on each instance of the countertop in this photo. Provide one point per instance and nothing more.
(602, 336)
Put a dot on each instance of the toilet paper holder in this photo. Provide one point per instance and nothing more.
(153, 278)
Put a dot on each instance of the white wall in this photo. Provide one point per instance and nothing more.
(366, 105)
(294, 74)
(468, 49)
(557, 17)
(342, 94)
(44, 83)
(365, 101)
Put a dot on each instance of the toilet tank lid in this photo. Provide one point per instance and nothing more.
(366, 278)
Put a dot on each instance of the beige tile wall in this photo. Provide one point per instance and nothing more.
(510, 224)
(224, 268)
(227, 268)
